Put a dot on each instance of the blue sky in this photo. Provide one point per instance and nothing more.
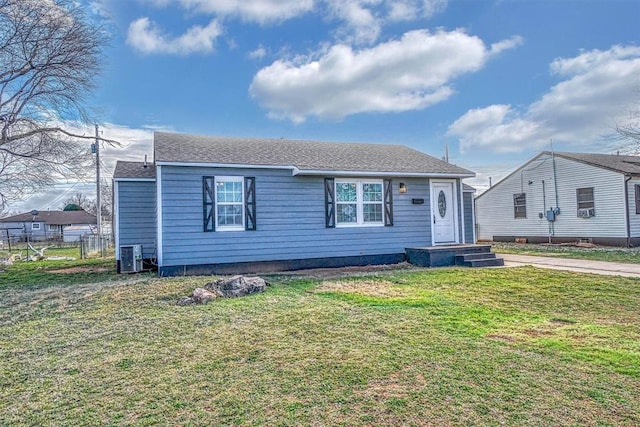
(496, 80)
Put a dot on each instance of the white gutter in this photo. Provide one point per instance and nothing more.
(134, 179)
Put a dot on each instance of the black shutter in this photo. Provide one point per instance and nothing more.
(329, 203)
(637, 199)
(250, 203)
(208, 203)
(388, 203)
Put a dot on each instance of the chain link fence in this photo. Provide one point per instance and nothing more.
(93, 244)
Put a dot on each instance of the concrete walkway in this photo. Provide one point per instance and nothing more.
(579, 265)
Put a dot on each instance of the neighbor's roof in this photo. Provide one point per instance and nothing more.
(305, 156)
(619, 163)
(54, 217)
(134, 170)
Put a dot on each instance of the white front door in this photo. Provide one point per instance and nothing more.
(443, 209)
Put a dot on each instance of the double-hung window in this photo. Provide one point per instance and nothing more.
(229, 194)
(359, 202)
(586, 202)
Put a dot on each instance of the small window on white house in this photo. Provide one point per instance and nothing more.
(520, 205)
(359, 202)
(585, 202)
(35, 226)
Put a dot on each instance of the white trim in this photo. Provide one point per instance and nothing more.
(116, 219)
(379, 174)
(239, 179)
(473, 217)
(296, 171)
(359, 202)
(159, 214)
(461, 195)
(456, 228)
(135, 179)
(225, 165)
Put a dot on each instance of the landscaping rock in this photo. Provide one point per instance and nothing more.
(236, 286)
(199, 296)
(202, 296)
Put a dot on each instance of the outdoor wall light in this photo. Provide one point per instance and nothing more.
(403, 188)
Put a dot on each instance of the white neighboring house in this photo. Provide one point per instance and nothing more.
(565, 197)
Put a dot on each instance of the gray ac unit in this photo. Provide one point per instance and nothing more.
(130, 258)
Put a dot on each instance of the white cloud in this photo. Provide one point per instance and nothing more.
(400, 75)
(146, 37)
(259, 53)
(260, 11)
(408, 10)
(598, 90)
(361, 23)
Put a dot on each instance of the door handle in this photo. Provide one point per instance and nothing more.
(434, 219)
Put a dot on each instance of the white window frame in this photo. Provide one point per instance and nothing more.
(222, 179)
(359, 202)
(35, 226)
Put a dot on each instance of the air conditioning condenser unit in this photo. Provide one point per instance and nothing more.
(131, 259)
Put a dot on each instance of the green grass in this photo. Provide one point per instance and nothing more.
(519, 346)
(600, 253)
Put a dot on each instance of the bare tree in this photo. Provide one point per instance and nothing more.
(50, 54)
(89, 205)
(626, 131)
(79, 199)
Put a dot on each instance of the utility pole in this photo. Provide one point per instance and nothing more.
(98, 204)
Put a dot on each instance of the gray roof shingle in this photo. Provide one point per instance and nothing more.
(134, 170)
(54, 217)
(619, 163)
(309, 156)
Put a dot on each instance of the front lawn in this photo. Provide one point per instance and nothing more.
(520, 346)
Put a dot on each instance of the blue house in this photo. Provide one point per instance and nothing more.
(232, 205)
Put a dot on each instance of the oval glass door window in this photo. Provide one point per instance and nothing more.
(442, 204)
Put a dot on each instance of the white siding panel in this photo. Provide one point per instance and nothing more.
(536, 179)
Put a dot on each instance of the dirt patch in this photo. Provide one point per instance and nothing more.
(73, 270)
(500, 337)
(338, 272)
(373, 288)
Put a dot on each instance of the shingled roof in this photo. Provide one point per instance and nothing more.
(615, 162)
(54, 217)
(135, 170)
(301, 156)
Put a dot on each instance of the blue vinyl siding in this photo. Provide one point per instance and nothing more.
(468, 216)
(290, 221)
(137, 215)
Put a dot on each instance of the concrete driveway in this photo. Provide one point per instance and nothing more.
(579, 265)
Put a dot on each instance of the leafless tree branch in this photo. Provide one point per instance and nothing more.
(50, 54)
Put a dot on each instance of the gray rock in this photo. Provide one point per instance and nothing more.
(236, 286)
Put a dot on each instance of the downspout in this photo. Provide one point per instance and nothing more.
(626, 204)
(555, 180)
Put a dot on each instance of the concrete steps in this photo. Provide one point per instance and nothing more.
(479, 259)
(463, 255)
